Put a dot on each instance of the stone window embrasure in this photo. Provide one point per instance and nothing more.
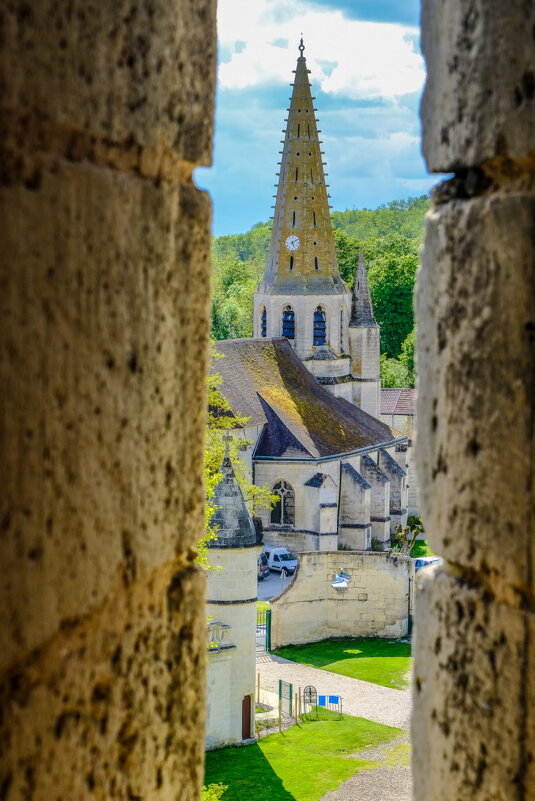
(320, 327)
(263, 322)
(283, 513)
(288, 322)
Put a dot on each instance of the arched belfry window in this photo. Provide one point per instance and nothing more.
(263, 322)
(288, 322)
(320, 326)
(283, 512)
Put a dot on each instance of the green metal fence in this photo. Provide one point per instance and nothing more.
(263, 630)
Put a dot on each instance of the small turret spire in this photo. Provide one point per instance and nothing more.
(361, 302)
(231, 519)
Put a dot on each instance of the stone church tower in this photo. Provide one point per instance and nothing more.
(302, 295)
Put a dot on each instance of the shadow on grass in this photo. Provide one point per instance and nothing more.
(247, 773)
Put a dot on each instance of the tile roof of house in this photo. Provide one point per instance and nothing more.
(398, 401)
(264, 380)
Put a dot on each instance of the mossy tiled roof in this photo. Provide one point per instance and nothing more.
(264, 380)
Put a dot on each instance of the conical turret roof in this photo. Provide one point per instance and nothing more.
(235, 527)
(361, 302)
(302, 256)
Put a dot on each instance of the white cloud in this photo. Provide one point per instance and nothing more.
(370, 59)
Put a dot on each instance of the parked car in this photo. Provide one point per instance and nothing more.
(425, 561)
(280, 560)
(263, 567)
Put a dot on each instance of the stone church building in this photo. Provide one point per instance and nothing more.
(309, 379)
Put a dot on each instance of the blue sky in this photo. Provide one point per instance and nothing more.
(367, 75)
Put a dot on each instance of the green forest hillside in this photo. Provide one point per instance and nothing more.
(390, 237)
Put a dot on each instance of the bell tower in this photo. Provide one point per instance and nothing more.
(302, 295)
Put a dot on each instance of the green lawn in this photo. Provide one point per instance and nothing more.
(421, 548)
(262, 605)
(385, 662)
(301, 764)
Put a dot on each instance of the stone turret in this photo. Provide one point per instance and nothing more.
(302, 295)
(231, 611)
(364, 344)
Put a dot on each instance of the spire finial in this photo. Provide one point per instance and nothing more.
(301, 46)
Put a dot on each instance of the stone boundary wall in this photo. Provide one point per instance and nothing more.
(375, 604)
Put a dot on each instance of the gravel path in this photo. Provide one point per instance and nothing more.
(377, 784)
(359, 698)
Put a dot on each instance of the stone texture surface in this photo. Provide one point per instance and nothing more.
(141, 74)
(474, 716)
(104, 319)
(474, 700)
(479, 100)
(476, 307)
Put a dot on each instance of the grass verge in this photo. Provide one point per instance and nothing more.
(384, 662)
(262, 606)
(301, 764)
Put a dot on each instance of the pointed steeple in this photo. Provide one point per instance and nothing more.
(361, 302)
(302, 255)
(235, 527)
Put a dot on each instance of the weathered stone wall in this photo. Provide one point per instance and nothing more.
(474, 720)
(376, 603)
(104, 310)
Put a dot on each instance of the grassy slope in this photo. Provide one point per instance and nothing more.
(384, 662)
(302, 764)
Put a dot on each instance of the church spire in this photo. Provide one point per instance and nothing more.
(302, 255)
(361, 302)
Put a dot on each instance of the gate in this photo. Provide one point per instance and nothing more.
(320, 707)
(263, 630)
(285, 697)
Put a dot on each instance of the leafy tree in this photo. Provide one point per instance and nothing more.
(406, 356)
(392, 266)
(394, 373)
(404, 538)
(347, 251)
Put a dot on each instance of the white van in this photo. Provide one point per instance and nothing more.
(280, 559)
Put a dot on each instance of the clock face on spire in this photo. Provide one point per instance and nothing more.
(292, 242)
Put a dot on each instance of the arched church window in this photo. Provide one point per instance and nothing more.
(291, 262)
(316, 263)
(263, 322)
(293, 219)
(320, 327)
(314, 217)
(288, 323)
(296, 172)
(283, 513)
(298, 129)
(341, 329)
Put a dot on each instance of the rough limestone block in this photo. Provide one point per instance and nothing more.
(141, 77)
(108, 416)
(476, 345)
(479, 99)
(113, 707)
(472, 696)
